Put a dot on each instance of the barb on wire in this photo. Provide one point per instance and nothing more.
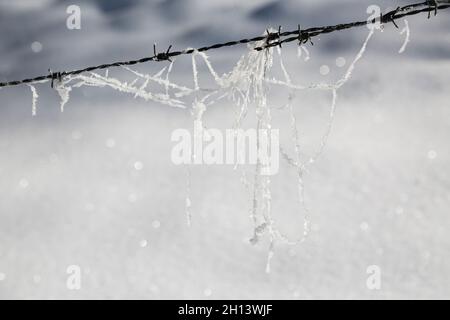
(271, 40)
(434, 4)
(163, 56)
(302, 39)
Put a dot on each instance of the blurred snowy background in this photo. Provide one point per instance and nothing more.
(94, 186)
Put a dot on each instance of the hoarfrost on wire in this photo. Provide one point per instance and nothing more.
(246, 86)
(34, 99)
(407, 33)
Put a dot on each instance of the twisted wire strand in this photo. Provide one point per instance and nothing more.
(272, 40)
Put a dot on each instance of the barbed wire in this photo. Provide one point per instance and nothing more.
(271, 39)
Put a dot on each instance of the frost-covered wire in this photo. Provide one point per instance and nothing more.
(277, 40)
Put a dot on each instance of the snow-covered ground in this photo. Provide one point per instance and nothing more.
(95, 186)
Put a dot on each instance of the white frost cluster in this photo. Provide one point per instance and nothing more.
(246, 86)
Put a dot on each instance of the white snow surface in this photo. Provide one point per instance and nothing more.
(71, 193)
